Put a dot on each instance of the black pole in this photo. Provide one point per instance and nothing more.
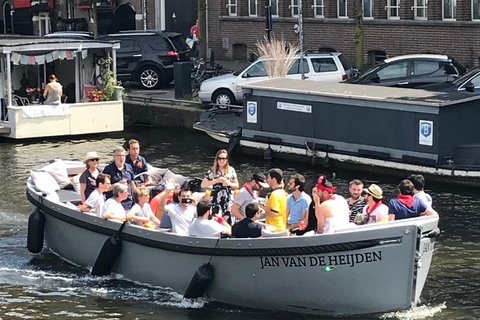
(268, 16)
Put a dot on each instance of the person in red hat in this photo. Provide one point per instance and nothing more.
(331, 209)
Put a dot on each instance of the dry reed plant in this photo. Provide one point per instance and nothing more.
(279, 56)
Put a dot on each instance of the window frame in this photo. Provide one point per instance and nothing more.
(232, 4)
(292, 8)
(346, 10)
(371, 9)
(454, 12)
(250, 13)
(473, 17)
(276, 6)
(389, 6)
(316, 5)
(415, 7)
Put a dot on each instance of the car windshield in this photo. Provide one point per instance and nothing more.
(460, 80)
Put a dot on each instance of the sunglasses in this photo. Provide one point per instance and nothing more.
(222, 158)
(95, 159)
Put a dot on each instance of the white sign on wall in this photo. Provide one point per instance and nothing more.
(252, 111)
(294, 107)
(425, 134)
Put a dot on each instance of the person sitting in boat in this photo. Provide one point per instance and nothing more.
(88, 178)
(356, 202)
(331, 209)
(248, 227)
(248, 193)
(297, 203)
(375, 210)
(311, 227)
(96, 199)
(406, 205)
(122, 172)
(205, 225)
(181, 213)
(141, 213)
(276, 201)
(138, 163)
(418, 188)
(113, 208)
(53, 91)
(223, 179)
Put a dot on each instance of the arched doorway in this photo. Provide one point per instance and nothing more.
(7, 18)
(124, 18)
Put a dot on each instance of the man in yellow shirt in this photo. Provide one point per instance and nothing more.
(276, 208)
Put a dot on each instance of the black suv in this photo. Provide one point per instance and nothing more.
(411, 71)
(148, 56)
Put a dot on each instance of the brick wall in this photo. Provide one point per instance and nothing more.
(460, 38)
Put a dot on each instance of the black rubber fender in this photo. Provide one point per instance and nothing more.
(202, 278)
(36, 225)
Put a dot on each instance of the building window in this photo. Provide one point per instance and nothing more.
(449, 9)
(475, 9)
(252, 8)
(274, 7)
(368, 9)
(420, 9)
(43, 23)
(393, 9)
(318, 9)
(294, 8)
(376, 57)
(232, 7)
(342, 9)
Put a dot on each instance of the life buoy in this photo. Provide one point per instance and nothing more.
(202, 278)
(36, 225)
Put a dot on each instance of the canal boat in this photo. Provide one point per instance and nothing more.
(26, 64)
(385, 130)
(362, 269)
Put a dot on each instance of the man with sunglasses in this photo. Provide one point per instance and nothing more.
(248, 193)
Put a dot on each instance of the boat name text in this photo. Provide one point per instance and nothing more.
(321, 261)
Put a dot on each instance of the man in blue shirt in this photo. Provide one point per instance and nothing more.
(297, 203)
(406, 206)
(138, 163)
(121, 172)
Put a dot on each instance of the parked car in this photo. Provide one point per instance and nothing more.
(226, 90)
(411, 71)
(148, 56)
(468, 82)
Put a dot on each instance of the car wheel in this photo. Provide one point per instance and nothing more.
(149, 78)
(223, 97)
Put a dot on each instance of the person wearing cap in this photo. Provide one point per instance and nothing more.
(375, 210)
(204, 225)
(248, 193)
(96, 199)
(406, 206)
(113, 208)
(138, 163)
(88, 178)
(276, 208)
(297, 203)
(331, 209)
(356, 202)
(122, 172)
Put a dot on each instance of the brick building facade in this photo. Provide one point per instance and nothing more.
(391, 27)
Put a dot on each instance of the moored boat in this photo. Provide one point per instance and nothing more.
(393, 131)
(342, 273)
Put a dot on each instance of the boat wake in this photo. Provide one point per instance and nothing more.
(420, 312)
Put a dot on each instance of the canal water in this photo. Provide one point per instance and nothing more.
(45, 287)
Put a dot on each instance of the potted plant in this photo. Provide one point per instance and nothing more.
(112, 89)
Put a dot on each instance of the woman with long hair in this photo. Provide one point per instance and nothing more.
(223, 180)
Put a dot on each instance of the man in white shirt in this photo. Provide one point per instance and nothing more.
(113, 209)
(203, 226)
(181, 214)
(96, 199)
(248, 193)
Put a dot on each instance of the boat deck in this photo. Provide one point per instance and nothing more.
(363, 92)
